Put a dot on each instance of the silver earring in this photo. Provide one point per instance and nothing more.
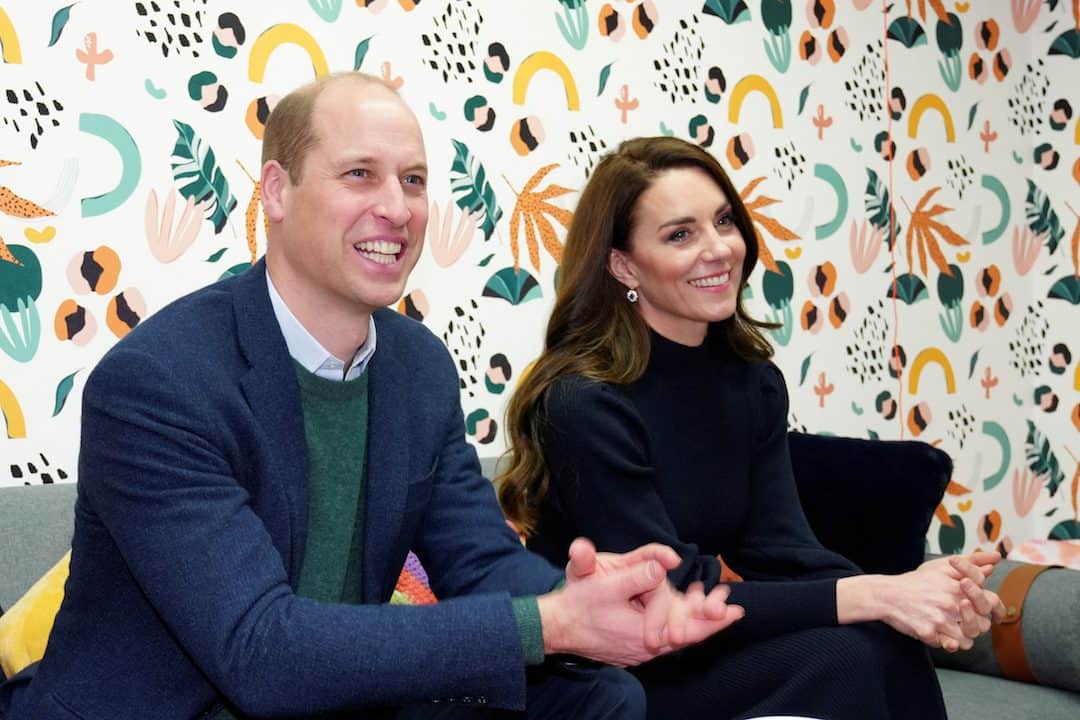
(632, 295)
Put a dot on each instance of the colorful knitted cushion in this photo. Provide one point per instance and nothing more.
(412, 586)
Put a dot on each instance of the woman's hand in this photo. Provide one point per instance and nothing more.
(942, 602)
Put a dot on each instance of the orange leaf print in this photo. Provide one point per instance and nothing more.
(770, 225)
(531, 211)
(921, 233)
(18, 206)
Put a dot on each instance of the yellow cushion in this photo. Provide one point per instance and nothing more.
(25, 627)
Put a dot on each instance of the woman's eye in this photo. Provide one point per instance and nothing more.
(725, 220)
(678, 235)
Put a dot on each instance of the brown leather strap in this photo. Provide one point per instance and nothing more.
(1008, 635)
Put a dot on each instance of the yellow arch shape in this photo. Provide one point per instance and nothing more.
(10, 41)
(1076, 135)
(13, 414)
(752, 83)
(927, 356)
(1076, 378)
(930, 101)
(280, 34)
(545, 60)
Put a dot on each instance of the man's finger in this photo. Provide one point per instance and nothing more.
(657, 608)
(637, 579)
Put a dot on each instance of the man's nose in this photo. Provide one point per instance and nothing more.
(391, 204)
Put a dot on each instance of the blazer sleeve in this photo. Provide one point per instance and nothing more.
(154, 473)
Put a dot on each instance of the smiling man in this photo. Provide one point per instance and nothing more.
(258, 458)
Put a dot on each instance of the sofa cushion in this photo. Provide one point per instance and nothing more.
(25, 626)
(969, 696)
(1050, 629)
(36, 524)
(870, 500)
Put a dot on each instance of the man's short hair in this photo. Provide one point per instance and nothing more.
(289, 132)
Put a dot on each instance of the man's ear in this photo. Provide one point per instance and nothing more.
(621, 268)
(274, 184)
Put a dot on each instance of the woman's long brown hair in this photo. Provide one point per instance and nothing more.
(594, 331)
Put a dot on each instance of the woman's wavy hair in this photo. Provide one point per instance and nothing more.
(594, 331)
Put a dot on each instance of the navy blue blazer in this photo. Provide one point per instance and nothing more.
(191, 519)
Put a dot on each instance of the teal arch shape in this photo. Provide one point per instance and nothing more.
(829, 174)
(995, 186)
(115, 134)
(997, 432)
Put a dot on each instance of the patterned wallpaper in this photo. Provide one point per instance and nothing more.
(913, 168)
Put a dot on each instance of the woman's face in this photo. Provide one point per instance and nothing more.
(685, 257)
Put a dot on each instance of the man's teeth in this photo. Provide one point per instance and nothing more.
(711, 281)
(381, 251)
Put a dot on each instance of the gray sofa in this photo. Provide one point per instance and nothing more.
(35, 530)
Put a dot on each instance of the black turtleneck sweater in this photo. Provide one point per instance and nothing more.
(693, 455)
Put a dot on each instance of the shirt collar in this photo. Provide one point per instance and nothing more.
(309, 352)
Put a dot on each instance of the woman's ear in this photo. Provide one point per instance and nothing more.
(273, 185)
(621, 268)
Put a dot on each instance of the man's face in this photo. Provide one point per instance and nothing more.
(353, 227)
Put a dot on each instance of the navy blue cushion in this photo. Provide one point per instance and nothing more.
(870, 500)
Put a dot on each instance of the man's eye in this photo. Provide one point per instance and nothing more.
(359, 172)
(417, 180)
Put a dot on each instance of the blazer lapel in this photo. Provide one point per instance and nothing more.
(274, 397)
(387, 469)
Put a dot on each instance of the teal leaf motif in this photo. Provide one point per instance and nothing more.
(910, 288)
(361, 52)
(778, 288)
(805, 367)
(471, 189)
(1067, 288)
(906, 31)
(216, 256)
(59, 22)
(973, 363)
(237, 269)
(730, 11)
(605, 74)
(328, 10)
(485, 261)
(803, 95)
(574, 23)
(63, 389)
(515, 287)
(1067, 43)
(878, 206)
(1065, 530)
(1041, 217)
(1041, 459)
(951, 539)
(971, 115)
(195, 168)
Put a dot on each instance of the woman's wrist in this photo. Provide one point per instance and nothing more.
(862, 598)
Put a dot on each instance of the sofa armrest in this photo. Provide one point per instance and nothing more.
(1050, 628)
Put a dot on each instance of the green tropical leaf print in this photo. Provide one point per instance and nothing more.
(605, 73)
(59, 21)
(951, 539)
(907, 31)
(910, 288)
(195, 168)
(361, 52)
(513, 287)
(803, 95)
(1067, 288)
(237, 269)
(471, 189)
(1065, 530)
(1041, 218)
(63, 389)
(1041, 459)
(1067, 43)
(778, 287)
(877, 205)
(730, 11)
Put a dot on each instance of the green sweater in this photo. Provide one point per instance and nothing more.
(335, 428)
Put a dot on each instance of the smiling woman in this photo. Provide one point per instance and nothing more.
(654, 415)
